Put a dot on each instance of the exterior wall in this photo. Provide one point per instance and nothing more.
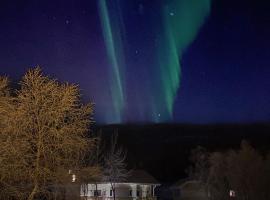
(191, 190)
(71, 191)
(123, 191)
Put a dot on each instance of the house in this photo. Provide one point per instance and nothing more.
(189, 190)
(164, 192)
(139, 185)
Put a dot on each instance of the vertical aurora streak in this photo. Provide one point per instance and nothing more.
(112, 37)
(158, 67)
(181, 22)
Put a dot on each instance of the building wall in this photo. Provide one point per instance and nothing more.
(191, 190)
(71, 191)
(123, 191)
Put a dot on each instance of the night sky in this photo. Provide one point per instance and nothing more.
(180, 61)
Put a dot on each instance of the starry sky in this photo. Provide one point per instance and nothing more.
(179, 61)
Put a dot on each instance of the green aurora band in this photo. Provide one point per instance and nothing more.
(112, 35)
(182, 20)
(178, 27)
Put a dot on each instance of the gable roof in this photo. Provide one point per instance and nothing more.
(188, 183)
(181, 182)
(140, 176)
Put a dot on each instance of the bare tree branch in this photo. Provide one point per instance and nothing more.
(43, 134)
(115, 168)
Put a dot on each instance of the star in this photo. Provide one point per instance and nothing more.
(172, 13)
(67, 21)
(141, 9)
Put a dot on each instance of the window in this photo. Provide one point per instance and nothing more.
(130, 193)
(152, 190)
(97, 193)
(110, 193)
(138, 193)
(232, 193)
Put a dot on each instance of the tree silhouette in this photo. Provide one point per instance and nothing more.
(115, 168)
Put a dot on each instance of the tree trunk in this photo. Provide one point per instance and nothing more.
(113, 190)
(35, 189)
(96, 192)
(33, 193)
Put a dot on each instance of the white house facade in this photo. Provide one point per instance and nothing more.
(140, 185)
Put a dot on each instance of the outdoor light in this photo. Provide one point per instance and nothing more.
(232, 193)
(73, 178)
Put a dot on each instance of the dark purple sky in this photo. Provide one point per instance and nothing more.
(225, 71)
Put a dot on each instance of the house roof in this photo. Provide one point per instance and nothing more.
(181, 182)
(188, 184)
(140, 176)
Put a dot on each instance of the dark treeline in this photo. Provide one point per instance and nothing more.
(164, 149)
(242, 173)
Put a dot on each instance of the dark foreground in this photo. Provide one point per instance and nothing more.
(163, 149)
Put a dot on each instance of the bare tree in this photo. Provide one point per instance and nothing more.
(217, 182)
(13, 171)
(95, 160)
(266, 178)
(239, 173)
(115, 168)
(200, 164)
(245, 172)
(43, 134)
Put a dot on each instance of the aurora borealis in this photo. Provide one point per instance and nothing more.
(180, 21)
(112, 37)
(147, 61)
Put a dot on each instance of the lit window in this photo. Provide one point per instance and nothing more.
(73, 178)
(232, 193)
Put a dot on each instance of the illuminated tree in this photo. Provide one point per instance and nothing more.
(43, 134)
